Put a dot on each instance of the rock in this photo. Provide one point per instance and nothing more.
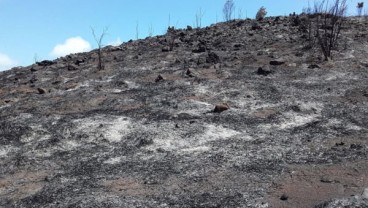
(256, 26)
(264, 72)
(189, 27)
(201, 60)
(212, 58)
(189, 73)
(284, 197)
(221, 107)
(201, 48)
(356, 146)
(295, 21)
(140, 142)
(326, 179)
(72, 68)
(237, 46)
(277, 62)
(159, 78)
(313, 66)
(41, 91)
(33, 80)
(365, 64)
(339, 144)
(166, 49)
(299, 54)
(45, 63)
(78, 62)
(296, 108)
(35, 68)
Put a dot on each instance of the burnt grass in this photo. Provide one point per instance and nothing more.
(142, 132)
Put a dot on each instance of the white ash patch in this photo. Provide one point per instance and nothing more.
(199, 103)
(311, 106)
(310, 112)
(339, 123)
(333, 122)
(83, 84)
(44, 79)
(182, 82)
(132, 85)
(202, 90)
(196, 149)
(5, 106)
(66, 79)
(38, 133)
(169, 140)
(343, 77)
(172, 140)
(70, 145)
(112, 129)
(107, 79)
(55, 119)
(5, 150)
(114, 90)
(193, 107)
(349, 54)
(145, 68)
(353, 127)
(243, 103)
(117, 129)
(23, 116)
(114, 160)
(39, 153)
(218, 132)
(293, 120)
(254, 107)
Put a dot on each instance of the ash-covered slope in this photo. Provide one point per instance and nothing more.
(140, 133)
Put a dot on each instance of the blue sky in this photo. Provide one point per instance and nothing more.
(46, 29)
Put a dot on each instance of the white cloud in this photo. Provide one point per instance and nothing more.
(71, 45)
(116, 42)
(6, 62)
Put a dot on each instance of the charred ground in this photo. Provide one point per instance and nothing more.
(140, 133)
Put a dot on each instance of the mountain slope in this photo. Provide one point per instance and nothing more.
(142, 132)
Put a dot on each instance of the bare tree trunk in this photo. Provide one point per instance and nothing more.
(99, 44)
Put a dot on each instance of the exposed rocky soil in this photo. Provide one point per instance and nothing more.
(143, 132)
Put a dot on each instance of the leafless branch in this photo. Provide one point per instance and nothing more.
(98, 40)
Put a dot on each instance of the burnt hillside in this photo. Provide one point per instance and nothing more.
(143, 132)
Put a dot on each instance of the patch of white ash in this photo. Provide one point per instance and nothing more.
(193, 107)
(5, 150)
(172, 140)
(293, 120)
(202, 90)
(115, 160)
(5, 106)
(103, 127)
(341, 124)
(132, 85)
(70, 145)
(83, 84)
(107, 79)
(309, 112)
